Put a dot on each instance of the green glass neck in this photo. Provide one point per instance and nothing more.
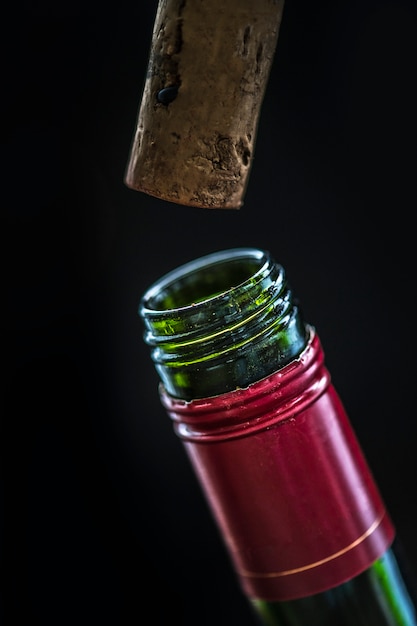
(221, 322)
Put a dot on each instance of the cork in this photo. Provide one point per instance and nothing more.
(208, 69)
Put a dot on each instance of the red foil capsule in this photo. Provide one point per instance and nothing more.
(286, 480)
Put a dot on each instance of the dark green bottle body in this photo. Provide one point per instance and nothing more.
(226, 334)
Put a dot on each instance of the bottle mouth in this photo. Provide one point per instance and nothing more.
(221, 321)
(212, 276)
(215, 294)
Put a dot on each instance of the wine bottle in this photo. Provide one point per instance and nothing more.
(243, 377)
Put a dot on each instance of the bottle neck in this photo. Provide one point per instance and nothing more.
(222, 322)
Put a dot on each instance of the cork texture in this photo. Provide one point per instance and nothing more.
(208, 70)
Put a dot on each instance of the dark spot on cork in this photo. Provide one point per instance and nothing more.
(246, 36)
(243, 151)
(167, 95)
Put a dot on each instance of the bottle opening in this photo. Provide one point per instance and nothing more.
(221, 322)
(204, 278)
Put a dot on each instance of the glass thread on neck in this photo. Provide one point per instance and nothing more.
(231, 314)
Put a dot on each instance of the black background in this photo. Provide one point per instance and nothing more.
(105, 519)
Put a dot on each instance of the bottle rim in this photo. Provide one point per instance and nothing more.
(221, 321)
(149, 304)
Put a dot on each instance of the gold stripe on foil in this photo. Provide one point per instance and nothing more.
(297, 570)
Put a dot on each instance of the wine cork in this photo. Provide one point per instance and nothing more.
(208, 69)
